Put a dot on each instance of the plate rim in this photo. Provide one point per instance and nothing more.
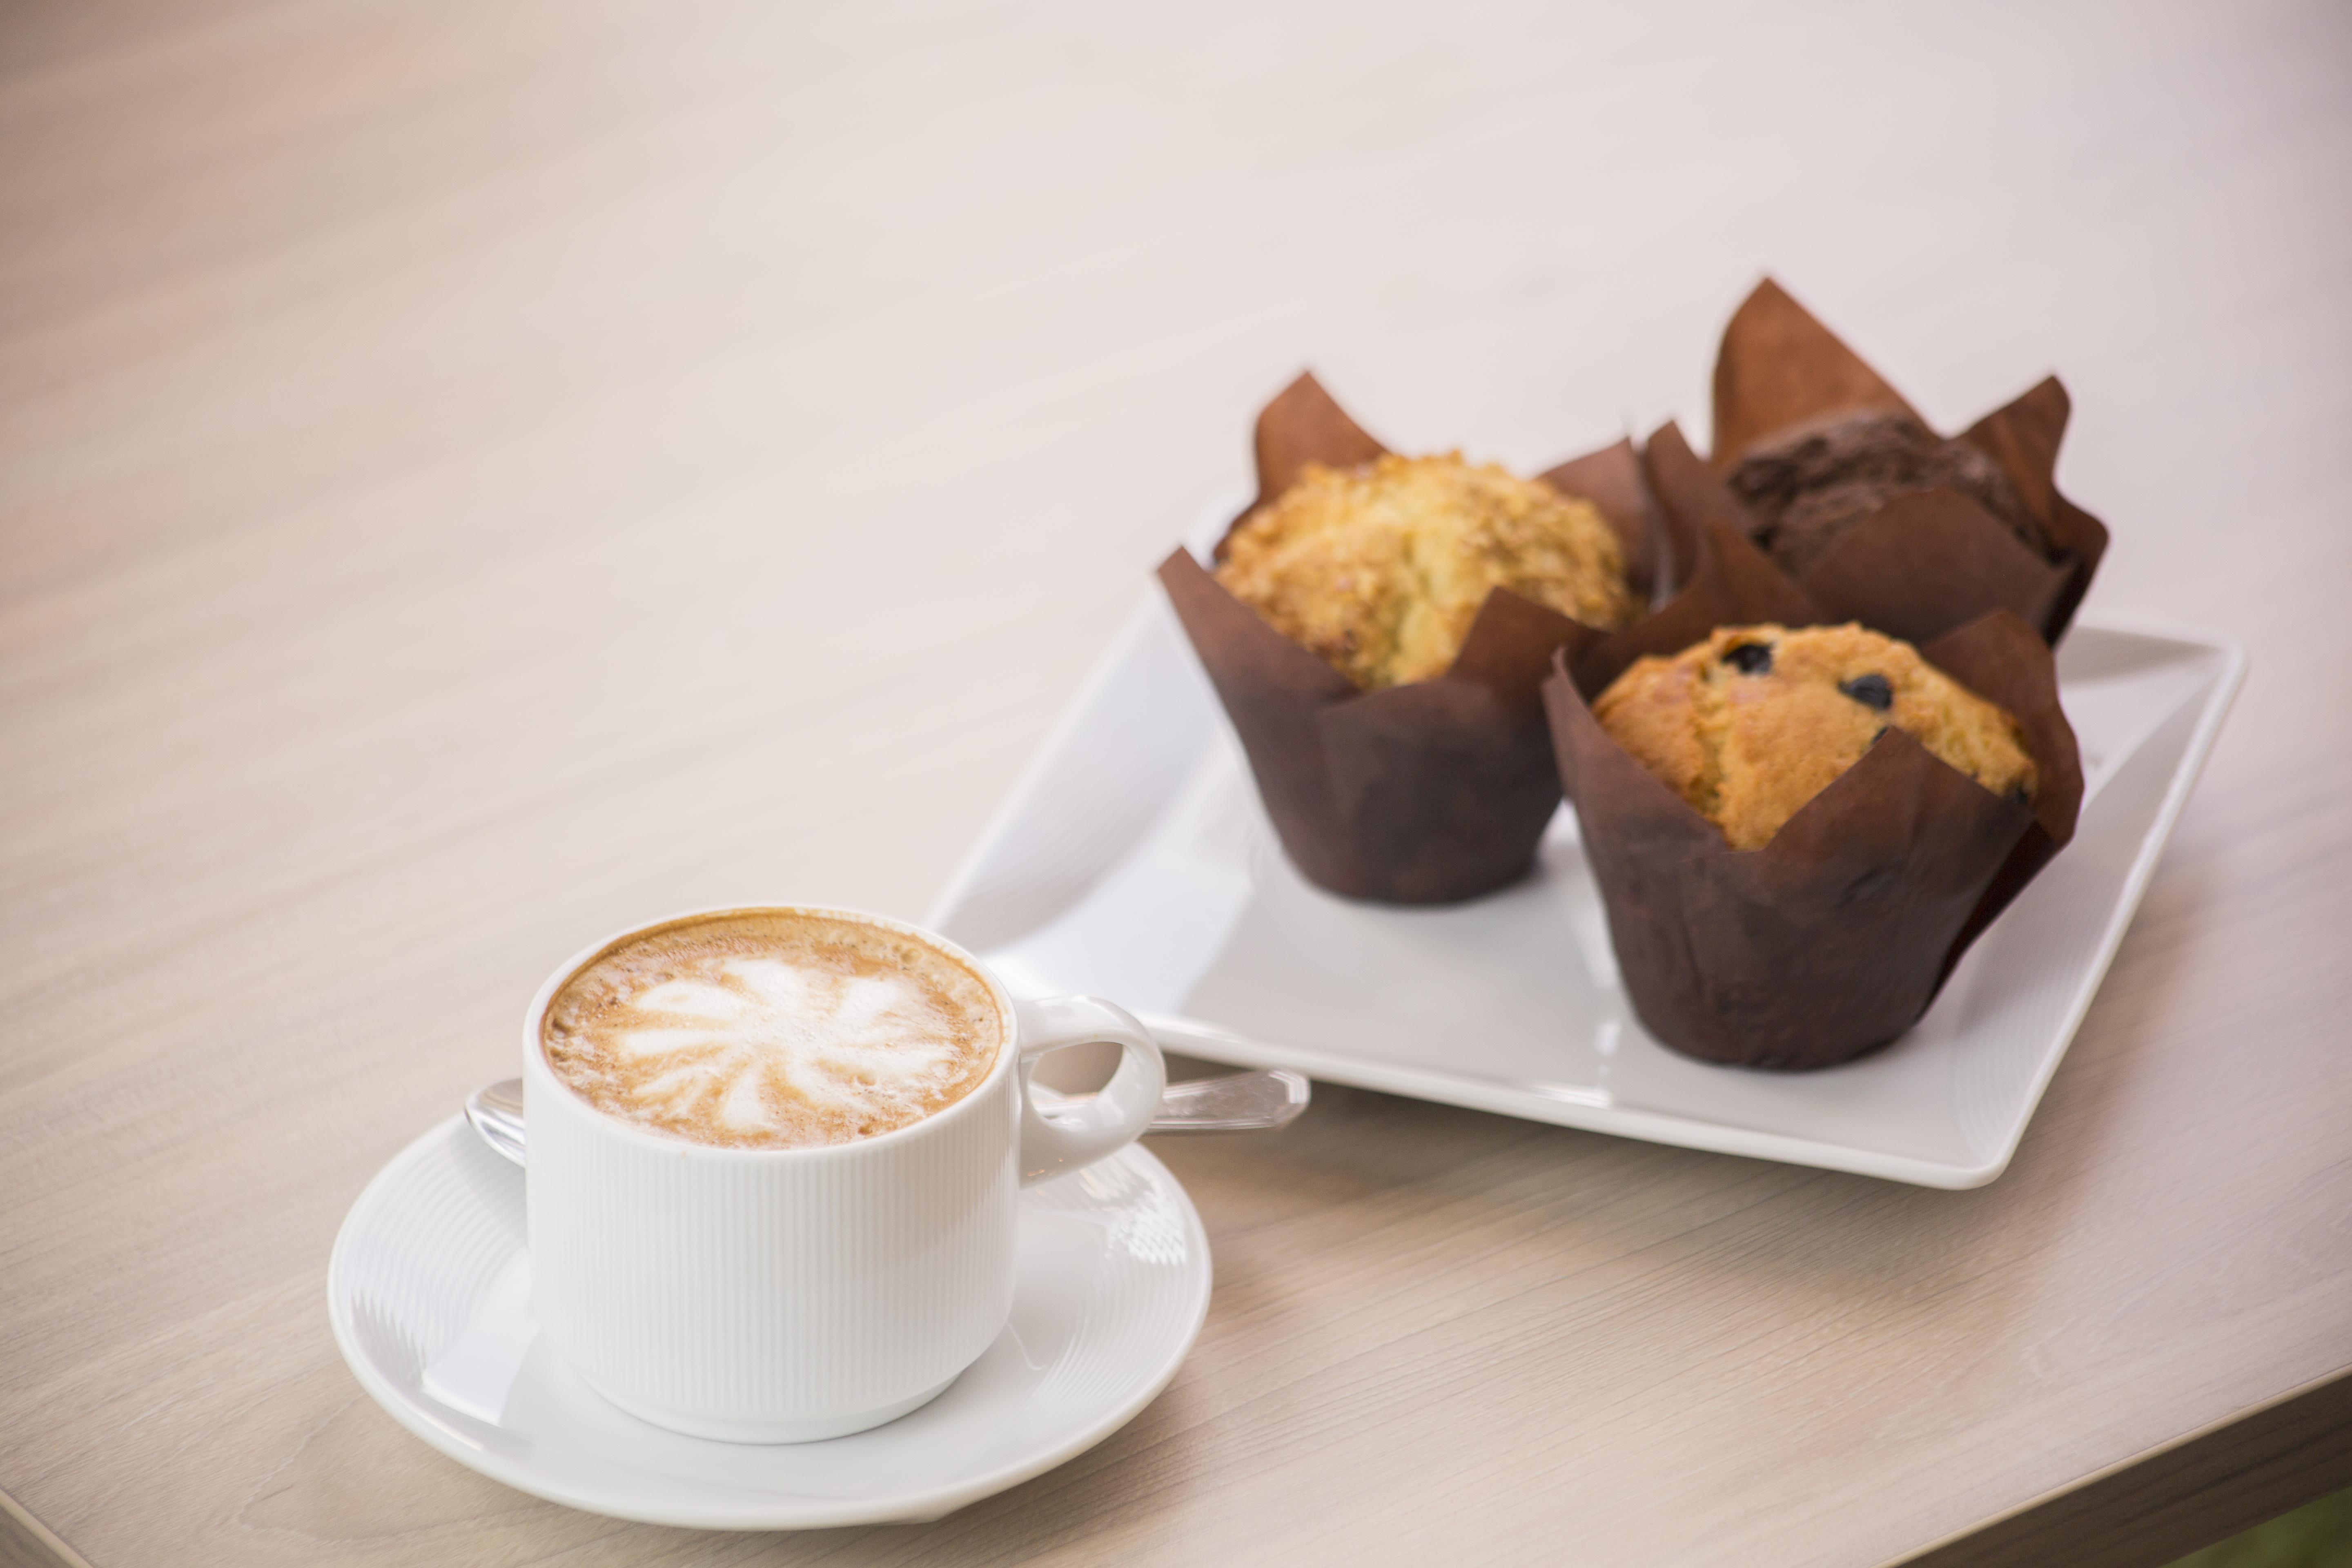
(1213, 1041)
(906, 1507)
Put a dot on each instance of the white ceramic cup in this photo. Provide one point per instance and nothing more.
(785, 1295)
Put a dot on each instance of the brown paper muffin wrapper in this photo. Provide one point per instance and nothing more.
(1927, 562)
(1832, 939)
(1422, 793)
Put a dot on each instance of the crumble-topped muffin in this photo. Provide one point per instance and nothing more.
(1381, 569)
(1750, 724)
(1808, 487)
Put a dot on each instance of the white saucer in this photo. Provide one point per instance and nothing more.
(428, 1291)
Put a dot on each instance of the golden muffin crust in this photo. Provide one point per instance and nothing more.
(1750, 724)
(1381, 569)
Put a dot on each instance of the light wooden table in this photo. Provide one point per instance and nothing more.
(472, 474)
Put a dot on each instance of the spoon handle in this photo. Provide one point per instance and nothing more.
(1232, 1102)
(1236, 1103)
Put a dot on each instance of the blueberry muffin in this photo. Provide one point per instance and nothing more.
(1811, 486)
(1750, 724)
(1381, 569)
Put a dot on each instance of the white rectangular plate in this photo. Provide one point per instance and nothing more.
(1134, 862)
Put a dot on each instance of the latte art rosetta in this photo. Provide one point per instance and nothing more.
(760, 1037)
(773, 1031)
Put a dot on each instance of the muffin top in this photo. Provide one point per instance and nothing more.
(1810, 486)
(1381, 569)
(1750, 724)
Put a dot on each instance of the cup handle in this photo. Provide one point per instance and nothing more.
(1116, 1116)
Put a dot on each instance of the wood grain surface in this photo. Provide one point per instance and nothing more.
(474, 473)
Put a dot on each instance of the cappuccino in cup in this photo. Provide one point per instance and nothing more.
(773, 1029)
(776, 1156)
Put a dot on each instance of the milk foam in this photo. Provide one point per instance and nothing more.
(773, 1031)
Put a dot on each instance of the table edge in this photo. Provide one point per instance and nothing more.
(2179, 1496)
(27, 1542)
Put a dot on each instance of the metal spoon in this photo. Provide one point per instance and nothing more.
(1236, 1103)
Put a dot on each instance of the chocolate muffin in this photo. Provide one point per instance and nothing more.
(1379, 570)
(1750, 724)
(1812, 484)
